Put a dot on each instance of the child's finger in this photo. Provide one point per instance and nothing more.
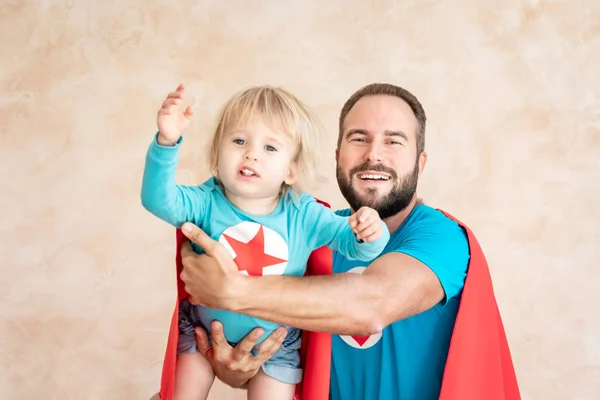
(373, 237)
(368, 230)
(175, 95)
(367, 219)
(360, 226)
(353, 221)
(363, 215)
(189, 111)
(171, 102)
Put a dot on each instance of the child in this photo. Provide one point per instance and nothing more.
(261, 159)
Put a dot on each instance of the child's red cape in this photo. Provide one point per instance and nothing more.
(479, 364)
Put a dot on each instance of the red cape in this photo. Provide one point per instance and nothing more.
(479, 364)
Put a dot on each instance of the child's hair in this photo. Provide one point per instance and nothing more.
(280, 110)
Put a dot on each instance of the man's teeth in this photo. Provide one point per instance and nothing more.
(247, 172)
(373, 176)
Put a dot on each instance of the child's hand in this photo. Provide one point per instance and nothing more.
(366, 224)
(172, 120)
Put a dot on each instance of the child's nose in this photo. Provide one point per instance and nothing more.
(251, 156)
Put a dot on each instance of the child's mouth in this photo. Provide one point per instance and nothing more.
(247, 172)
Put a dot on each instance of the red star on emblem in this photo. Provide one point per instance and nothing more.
(251, 256)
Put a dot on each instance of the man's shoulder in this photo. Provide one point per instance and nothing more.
(440, 243)
(344, 212)
(425, 216)
(427, 226)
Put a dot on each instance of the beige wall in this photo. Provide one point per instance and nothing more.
(511, 88)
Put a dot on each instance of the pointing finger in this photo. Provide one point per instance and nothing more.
(200, 237)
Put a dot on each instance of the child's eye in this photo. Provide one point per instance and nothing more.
(239, 141)
(270, 148)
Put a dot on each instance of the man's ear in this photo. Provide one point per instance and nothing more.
(337, 155)
(422, 162)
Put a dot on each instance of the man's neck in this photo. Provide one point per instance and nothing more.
(395, 221)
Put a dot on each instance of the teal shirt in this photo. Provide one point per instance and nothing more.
(406, 361)
(275, 244)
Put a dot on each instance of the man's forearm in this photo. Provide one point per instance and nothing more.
(345, 304)
(394, 287)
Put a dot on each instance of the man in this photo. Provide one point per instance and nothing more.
(392, 320)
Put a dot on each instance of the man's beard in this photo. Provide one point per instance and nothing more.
(402, 193)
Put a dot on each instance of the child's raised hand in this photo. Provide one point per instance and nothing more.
(366, 224)
(172, 119)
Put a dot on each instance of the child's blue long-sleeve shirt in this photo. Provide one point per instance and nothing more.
(275, 244)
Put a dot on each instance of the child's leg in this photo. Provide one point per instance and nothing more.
(193, 373)
(278, 377)
(193, 377)
(263, 387)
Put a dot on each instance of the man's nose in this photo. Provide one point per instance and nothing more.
(373, 154)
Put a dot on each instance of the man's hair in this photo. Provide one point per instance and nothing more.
(387, 89)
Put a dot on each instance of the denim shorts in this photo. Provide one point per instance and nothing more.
(283, 366)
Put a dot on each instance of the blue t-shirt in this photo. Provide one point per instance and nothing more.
(275, 244)
(406, 361)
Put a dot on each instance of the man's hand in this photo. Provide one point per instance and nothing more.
(211, 279)
(366, 224)
(236, 365)
(172, 119)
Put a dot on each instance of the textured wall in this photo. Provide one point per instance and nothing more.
(511, 88)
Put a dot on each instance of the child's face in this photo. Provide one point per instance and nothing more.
(254, 161)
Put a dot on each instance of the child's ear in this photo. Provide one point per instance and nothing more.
(292, 176)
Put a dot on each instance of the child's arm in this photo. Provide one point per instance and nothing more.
(353, 238)
(161, 196)
(172, 203)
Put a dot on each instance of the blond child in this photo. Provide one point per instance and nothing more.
(261, 157)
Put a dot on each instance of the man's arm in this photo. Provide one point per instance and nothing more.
(395, 286)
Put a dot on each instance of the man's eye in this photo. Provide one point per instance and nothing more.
(360, 140)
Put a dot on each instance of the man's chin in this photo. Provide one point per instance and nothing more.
(371, 199)
(372, 194)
